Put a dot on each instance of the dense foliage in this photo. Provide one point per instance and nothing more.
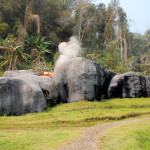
(31, 30)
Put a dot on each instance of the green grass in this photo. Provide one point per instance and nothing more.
(64, 122)
(132, 136)
(82, 113)
(37, 139)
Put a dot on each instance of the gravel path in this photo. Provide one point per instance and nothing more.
(90, 135)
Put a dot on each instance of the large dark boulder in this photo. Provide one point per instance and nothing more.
(26, 93)
(46, 84)
(115, 87)
(148, 86)
(18, 96)
(81, 79)
(129, 85)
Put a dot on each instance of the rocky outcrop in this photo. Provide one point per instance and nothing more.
(148, 86)
(19, 96)
(47, 86)
(129, 85)
(81, 79)
(77, 79)
(26, 93)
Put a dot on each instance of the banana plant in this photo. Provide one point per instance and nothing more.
(12, 53)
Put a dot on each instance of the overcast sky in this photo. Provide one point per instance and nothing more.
(138, 12)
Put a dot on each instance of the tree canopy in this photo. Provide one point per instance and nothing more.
(39, 26)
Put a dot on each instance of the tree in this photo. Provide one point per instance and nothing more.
(31, 21)
(11, 53)
(110, 21)
(100, 22)
(12, 12)
(4, 29)
(123, 33)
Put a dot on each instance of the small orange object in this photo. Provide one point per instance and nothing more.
(47, 74)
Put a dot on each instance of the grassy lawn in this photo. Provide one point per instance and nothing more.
(37, 139)
(132, 136)
(63, 123)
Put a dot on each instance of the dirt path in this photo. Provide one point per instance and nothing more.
(91, 134)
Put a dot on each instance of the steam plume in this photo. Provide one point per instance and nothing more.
(68, 50)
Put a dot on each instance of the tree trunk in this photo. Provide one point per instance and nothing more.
(80, 23)
(125, 49)
(121, 42)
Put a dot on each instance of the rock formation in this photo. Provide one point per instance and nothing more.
(47, 86)
(18, 97)
(129, 85)
(77, 79)
(148, 86)
(26, 93)
(80, 79)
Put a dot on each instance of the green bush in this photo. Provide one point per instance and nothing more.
(1, 74)
(3, 29)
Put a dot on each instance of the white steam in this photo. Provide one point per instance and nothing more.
(68, 50)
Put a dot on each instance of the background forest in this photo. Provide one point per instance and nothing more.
(30, 31)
